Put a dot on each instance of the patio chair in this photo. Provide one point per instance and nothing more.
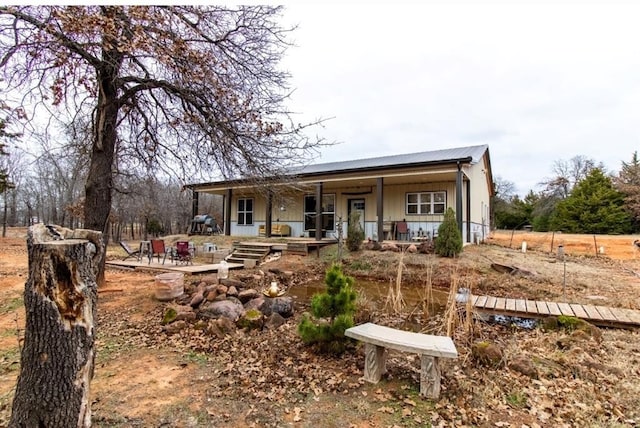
(184, 252)
(130, 252)
(402, 230)
(158, 248)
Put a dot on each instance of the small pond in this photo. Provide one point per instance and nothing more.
(377, 292)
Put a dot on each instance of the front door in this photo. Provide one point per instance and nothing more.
(357, 205)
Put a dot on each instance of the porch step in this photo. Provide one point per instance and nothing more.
(242, 252)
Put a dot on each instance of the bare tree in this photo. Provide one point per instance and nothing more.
(567, 174)
(186, 88)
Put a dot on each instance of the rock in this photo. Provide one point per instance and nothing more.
(223, 308)
(487, 354)
(197, 298)
(222, 289)
(248, 294)
(177, 313)
(372, 245)
(232, 291)
(175, 327)
(253, 319)
(279, 305)
(210, 279)
(274, 321)
(232, 282)
(550, 323)
(412, 249)
(426, 247)
(220, 327)
(211, 292)
(255, 303)
(389, 246)
(525, 366)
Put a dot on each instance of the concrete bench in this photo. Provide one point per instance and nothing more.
(377, 338)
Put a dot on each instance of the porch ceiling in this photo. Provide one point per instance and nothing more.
(338, 181)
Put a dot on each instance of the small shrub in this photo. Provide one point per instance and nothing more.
(449, 241)
(336, 306)
(355, 234)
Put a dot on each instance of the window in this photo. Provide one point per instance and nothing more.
(245, 211)
(426, 203)
(328, 212)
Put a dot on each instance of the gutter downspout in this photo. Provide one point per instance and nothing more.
(459, 196)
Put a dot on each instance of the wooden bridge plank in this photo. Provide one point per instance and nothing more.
(491, 302)
(554, 309)
(510, 305)
(521, 306)
(481, 301)
(474, 299)
(500, 304)
(531, 307)
(542, 307)
(634, 316)
(579, 311)
(605, 313)
(620, 315)
(566, 309)
(592, 312)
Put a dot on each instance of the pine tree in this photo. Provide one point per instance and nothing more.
(628, 182)
(336, 306)
(449, 241)
(594, 206)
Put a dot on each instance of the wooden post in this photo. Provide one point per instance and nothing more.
(57, 358)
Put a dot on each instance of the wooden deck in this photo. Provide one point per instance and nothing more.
(194, 269)
(598, 315)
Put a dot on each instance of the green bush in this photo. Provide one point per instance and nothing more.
(332, 313)
(449, 241)
(355, 234)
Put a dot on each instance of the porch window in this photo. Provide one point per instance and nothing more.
(245, 211)
(426, 203)
(328, 212)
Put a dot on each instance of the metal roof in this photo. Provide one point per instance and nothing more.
(434, 156)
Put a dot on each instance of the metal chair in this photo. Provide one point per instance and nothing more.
(130, 252)
(158, 248)
(402, 230)
(184, 252)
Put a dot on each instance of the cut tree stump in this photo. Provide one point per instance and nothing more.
(57, 358)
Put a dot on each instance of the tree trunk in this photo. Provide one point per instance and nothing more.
(58, 355)
(98, 188)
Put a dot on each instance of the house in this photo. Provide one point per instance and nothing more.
(412, 190)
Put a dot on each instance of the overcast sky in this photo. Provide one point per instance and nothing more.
(536, 82)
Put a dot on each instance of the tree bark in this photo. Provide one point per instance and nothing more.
(57, 358)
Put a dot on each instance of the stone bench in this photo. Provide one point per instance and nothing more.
(377, 338)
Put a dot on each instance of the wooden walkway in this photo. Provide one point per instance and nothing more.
(598, 315)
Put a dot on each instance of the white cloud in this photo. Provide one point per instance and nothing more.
(537, 82)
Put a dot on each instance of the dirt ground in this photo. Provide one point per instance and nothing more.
(145, 377)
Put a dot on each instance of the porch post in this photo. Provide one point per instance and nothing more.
(459, 197)
(267, 225)
(468, 210)
(379, 206)
(318, 211)
(194, 203)
(227, 212)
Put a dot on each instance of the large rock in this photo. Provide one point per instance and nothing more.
(220, 327)
(249, 294)
(525, 366)
(274, 321)
(487, 354)
(222, 308)
(278, 305)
